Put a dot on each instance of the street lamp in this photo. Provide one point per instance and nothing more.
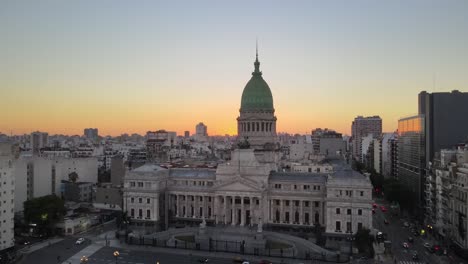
(116, 255)
(83, 259)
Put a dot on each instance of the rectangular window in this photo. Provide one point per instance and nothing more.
(148, 200)
(318, 187)
(277, 202)
(132, 212)
(132, 184)
(140, 200)
(348, 227)
(295, 187)
(348, 211)
(148, 213)
(140, 184)
(132, 200)
(338, 226)
(287, 203)
(316, 204)
(359, 211)
(337, 210)
(362, 193)
(315, 187)
(296, 203)
(140, 213)
(306, 203)
(359, 226)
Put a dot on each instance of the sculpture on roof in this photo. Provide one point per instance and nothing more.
(244, 144)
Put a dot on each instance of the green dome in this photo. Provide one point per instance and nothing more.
(257, 95)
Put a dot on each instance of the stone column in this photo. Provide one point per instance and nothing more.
(270, 216)
(301, 212)
(281, 211)
(233, 210)
(291, 216)
(194, 205)
(225, 215)
(242, 223)
(156, 209)
(311, 214)
(186, 205)
(252, 218)
(215, 208)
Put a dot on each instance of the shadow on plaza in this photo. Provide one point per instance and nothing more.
(237, 247)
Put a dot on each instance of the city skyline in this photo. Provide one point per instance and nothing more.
(67, 67)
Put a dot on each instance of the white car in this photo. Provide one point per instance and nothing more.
(79, 241)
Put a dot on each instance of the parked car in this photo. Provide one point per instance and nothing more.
(373, 211)
(203, 260)
(79, 241)
(405, 245)
(383, 208)
(374, 205)
(406, 224)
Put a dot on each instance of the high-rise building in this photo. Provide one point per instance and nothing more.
(411, 154)
(362, 127)
(186, 134)
(7, 198)
(445, 120)
(328, 142)
(158, 143)
(201, 130)
(91, 133)
(38, 140)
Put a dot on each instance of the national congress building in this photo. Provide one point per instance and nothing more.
(250, 188)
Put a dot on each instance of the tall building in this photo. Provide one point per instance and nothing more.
(446, 196)
(362, 127)
(201, 130)
(445, 120)
(40, 176)
(186, 134)
(7, 197)
(411, 154)
(158, 143)
(91, 133)
(38, 140)
(328, 142)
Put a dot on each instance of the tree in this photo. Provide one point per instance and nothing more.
(363, 239)
(44, 211)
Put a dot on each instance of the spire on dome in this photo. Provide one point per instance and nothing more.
(256, 63)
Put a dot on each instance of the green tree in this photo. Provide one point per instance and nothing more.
(363, 240)
(44, 211)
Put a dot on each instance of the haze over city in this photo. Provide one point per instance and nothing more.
(133, 67)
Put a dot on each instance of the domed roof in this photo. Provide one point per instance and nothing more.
(257, 95)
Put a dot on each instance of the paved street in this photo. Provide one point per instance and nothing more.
(55, 253)
(398, 234)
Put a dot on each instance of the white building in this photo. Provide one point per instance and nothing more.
(250, 189)
(7, 196)
(38, 140)
(39, 176)
(362, 127)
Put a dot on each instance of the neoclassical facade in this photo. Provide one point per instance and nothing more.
(250, 188)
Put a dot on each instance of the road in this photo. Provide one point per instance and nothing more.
(55, 253)
(398, 234)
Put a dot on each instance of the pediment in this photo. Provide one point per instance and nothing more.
(238, 185)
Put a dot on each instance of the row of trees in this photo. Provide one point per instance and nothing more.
(44, 212)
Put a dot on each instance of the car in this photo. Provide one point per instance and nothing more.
(405, 245)
(427, 245)
(263, 261)
(373, 211)
(415, 256)
(245, 262)
(203, 260)
(79, 241)
(410, 239)
(239, 260)
(26, 242)
(386, 222)
(383, 208)
(406, 224)
(374, 205)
